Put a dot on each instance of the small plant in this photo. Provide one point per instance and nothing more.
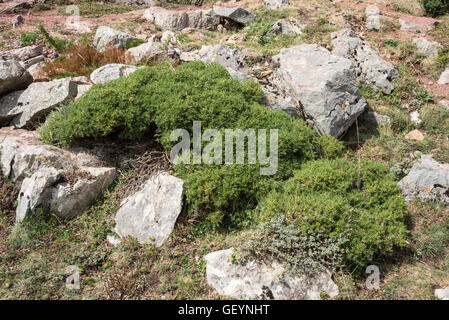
(432, 241)
(28, 39)
(301, 252)
(391, 43)
(55, 42)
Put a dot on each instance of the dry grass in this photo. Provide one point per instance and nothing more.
(81, 60)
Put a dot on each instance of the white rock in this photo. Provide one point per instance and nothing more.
(325, 85)
(13, 77)
(181, 19)
(249, 281)
(442, 294)
(415, 117)
(427, 180)
(82, 89)
(111, 72)
(22, 54)
(427, 48)
(372, 69)
(372, 13)
(276, 4)
(43, 168)
(68, 201)
(230, 58)
(444, 78)
(287, 26)
(150, 214)
(106, 36)
(35, 192)
(28, 107)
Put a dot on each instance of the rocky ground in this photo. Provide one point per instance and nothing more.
(373, 74)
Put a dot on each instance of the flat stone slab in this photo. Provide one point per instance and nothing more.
(253, 280)
(150, 214)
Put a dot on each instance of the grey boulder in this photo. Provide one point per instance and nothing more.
(13, 76)
(150, 214)
(155, 52)
(287, 26)
(427, 47)
(371, 68)
(427, 180)
(254, 279)
(230, 58)
(62, 181)
(106, 37)
(325, 85)
(26, 108)
(111, 72)
(180, 19)
(236, 14)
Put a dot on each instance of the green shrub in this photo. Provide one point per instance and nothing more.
(435, 8)
(55, 42)
(28, 39)
(160, 99)
(346, 201)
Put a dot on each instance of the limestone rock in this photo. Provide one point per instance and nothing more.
(181, 19)
(22, 54)
(13, 76)
(442, 294)
(236, 14)
(106, 36)
(287, 26)
(35, 192)
(151, 51)
(251, 280)
(111, 72)
(371, 68)
(276, 4)
(372, 13)
(444, 78)
(427, 48)
(60, 180)
(324, 84)
(230, 58)
(27, 107)
(427, 180)
(150, 214)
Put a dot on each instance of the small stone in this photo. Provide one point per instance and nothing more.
(444, 78)
(415, 135)
(415, 117)
(17, 20)
(111, 72)
(442, 294)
